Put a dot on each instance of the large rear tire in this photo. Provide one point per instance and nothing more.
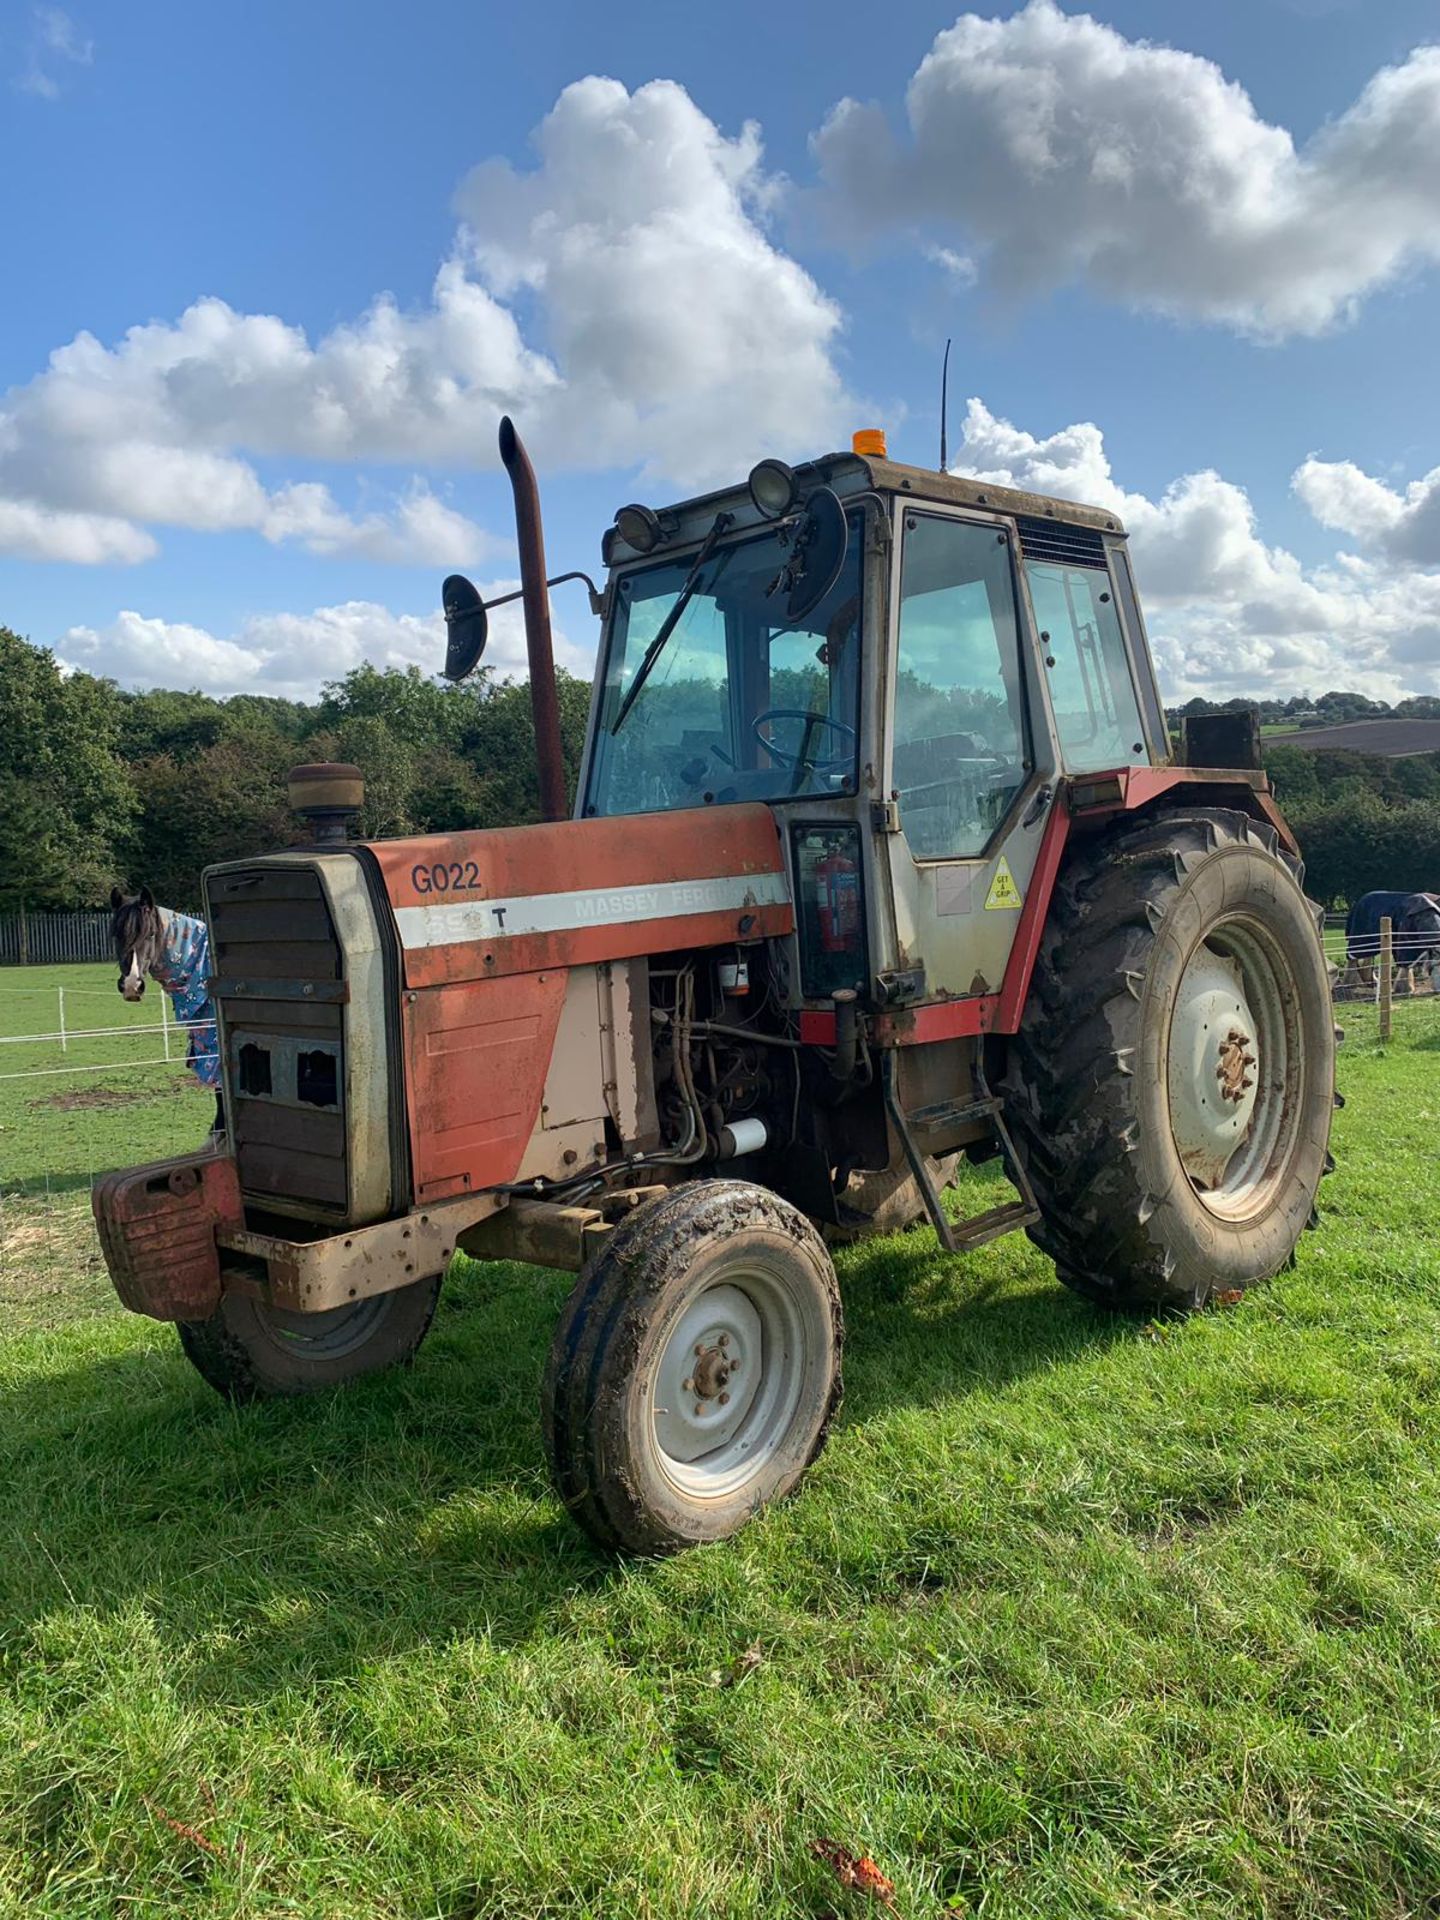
(248, 1351)
(1171, 1088)
(695, 1369)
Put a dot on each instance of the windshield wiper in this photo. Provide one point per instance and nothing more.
(671, 620)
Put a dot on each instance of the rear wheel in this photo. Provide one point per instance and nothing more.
(250, 1351)
(1171, 1088)
(695, 1369)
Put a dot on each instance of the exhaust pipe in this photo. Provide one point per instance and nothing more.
(544, 706)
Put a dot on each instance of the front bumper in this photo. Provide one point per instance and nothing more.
(175, 1238)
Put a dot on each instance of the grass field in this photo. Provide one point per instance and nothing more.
(1075, 1617)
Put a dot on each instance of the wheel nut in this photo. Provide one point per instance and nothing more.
(724, 1339)
(724, 1399)
(698, 1352)
(698, 1407)
(687, 1386)
(735, 1364)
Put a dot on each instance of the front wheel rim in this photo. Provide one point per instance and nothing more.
(332, 1335)
(728, 1385)
(1235, 1068)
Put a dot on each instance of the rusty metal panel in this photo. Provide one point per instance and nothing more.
(514, 900)
(157, 1229)
(476, 1057)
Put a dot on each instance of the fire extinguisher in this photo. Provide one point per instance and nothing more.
(837, 901)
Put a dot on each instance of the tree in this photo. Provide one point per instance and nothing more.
(66, 796)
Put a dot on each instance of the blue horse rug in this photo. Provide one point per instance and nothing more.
(183, 970)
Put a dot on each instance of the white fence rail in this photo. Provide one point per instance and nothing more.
(65, 1034)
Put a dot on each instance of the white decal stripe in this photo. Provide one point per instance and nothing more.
(448, 923)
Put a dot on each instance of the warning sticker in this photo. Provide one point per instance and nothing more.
(1003, 890)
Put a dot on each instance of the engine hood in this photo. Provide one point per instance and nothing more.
(478, 906)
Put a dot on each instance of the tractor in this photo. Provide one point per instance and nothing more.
(881, 859)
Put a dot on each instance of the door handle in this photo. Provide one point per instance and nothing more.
(1038, 805)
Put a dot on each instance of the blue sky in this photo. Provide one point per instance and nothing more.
(1226, 270)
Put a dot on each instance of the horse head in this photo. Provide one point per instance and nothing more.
(135, 933)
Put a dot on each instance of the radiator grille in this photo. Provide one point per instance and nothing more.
(1060, 543)
(285, 1052)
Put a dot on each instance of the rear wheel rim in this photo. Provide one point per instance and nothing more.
(743, 1336)
(1234, 1076)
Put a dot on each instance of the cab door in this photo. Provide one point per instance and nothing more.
(968, 749)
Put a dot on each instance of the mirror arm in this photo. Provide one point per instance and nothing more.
(597, 598)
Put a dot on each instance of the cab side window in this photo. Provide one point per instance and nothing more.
(960, 740)
(1096, 712)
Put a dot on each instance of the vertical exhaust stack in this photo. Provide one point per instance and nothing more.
(544, 705)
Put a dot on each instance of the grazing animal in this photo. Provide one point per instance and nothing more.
(1414, 936)
(174, 951)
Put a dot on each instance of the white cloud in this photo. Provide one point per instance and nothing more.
(54, 41)
(679, 336)
(1404, 525)
(1229, 614)
(85, 539)
(1063, 151)
(686, 339)
(293, 654)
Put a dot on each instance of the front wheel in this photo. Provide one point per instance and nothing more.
(250, 1351)
(1172, 1084)
(695, 1369)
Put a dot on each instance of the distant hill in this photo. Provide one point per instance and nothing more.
(1393, 738)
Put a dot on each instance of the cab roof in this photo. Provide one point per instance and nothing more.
(851, 473)
(955, 490)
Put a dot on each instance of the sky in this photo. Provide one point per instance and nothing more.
(274, 273)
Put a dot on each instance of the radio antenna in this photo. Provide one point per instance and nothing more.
(944, 406)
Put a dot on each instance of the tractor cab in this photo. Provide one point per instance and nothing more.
(902, 664)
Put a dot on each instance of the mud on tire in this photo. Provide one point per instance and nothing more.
(248, 1351)
(1116, 1072)
(720, 1288)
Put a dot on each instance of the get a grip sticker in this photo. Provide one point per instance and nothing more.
(1003, 892)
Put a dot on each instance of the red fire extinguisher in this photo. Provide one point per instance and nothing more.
(837, 901)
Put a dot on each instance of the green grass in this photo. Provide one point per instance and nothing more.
(62, 1122)
(1074, 1617)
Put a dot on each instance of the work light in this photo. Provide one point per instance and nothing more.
(639, 528)
(772, 488)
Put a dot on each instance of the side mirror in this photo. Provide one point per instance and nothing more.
(817, 553)
(466, 624)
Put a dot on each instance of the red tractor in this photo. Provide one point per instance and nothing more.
(880, 858)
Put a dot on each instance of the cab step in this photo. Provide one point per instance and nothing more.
(960, 1236)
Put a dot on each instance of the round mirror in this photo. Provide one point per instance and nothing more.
(818, 553)
(465, 623)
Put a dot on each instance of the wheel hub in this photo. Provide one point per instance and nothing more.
(709, 1374)
(1214, 1067)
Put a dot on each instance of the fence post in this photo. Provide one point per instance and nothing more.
(63, 1047)
(165, 1022)
(1387, 964)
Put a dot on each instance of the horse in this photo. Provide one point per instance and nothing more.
(1414, 937)
(174, 950)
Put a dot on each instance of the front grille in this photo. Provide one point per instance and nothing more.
(280, 969)
(1060, 543)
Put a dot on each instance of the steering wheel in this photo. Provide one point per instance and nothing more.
(794, 762)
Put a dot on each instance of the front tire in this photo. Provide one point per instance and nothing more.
(695, 1369)
(249, 1351)
(1171, 1088)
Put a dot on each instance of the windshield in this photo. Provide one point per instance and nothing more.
(738, 705)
